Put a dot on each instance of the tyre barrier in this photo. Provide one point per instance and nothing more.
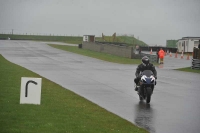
(196, 53)
(195, 64)
(79, 45)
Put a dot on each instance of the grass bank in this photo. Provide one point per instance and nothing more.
(66, 39)
(60, 111)
(188, 69)
(97, 55)
(131, 41)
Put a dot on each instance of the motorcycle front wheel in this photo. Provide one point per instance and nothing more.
(140, 94)
(148, 94)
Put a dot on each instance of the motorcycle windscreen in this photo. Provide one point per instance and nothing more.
(148, 73)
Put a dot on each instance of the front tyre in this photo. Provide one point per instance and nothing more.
(148, 94)
(140, 94)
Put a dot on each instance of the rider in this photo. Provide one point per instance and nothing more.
(145, 65)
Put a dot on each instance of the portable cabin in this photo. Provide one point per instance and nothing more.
(186, 44)
(88, 38)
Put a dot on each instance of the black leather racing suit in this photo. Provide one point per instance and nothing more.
(141, 68)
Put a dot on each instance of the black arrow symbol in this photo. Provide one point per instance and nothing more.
(26, 91)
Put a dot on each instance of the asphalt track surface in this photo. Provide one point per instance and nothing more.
(175, 104)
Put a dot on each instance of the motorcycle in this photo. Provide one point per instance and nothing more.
(147, 83)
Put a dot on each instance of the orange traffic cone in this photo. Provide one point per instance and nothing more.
(170, 54)
(151, 51)
(160, 66)
(188, 57)
(176, 56)
(182, 55)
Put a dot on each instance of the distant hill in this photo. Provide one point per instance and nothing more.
(131, 41)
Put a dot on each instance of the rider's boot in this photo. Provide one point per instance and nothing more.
(137, 88)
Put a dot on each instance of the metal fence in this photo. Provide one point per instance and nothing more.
(155, 48)
(152, 58)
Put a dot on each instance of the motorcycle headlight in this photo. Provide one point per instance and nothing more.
(143, 78)
(152, 78)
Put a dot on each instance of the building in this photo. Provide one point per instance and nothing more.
(88, 38)
(186, 44)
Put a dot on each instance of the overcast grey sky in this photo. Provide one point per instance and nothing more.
(153, 21)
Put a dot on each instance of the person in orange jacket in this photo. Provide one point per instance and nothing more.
(161, 54)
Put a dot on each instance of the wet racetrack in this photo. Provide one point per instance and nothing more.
(175, 104)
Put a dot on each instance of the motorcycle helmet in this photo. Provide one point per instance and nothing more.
(145, 61)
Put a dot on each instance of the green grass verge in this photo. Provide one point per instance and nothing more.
(60, 111)
(98, 55)
(188, 69)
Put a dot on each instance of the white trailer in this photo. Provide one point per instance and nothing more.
(186, 44)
